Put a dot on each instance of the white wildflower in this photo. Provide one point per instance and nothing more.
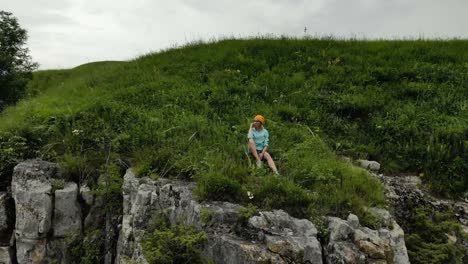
(77, 132)
(250, 195)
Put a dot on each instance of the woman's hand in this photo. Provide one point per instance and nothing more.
(260, 156)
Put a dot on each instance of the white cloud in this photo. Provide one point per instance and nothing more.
(67, 33)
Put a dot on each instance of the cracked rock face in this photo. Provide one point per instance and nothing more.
(3, 213)
(270, 237)
(351, 243)
(44, 216)
(32, 192)
(67, 211)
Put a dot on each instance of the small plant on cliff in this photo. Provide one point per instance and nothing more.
(245, 213)
(173, 244)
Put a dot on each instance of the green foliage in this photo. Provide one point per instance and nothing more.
(427, 240)
(245, 213)
(86, 249)
(217, 187)
(280, 193)
(173, 244)
(15, 63)
(205, 215)
(57, 184)
(13, 149)
(109, 187)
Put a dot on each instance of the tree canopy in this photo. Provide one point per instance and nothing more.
(16, 64)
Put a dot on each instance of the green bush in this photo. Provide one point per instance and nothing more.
(280, 193)
(173, 244)
(87, 248)
(218, 187)
(427, 240)
(245, 213)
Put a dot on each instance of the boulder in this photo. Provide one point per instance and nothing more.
(340, 230)
(369, 164)
(353, 221)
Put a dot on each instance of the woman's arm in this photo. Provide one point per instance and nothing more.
(249, 134)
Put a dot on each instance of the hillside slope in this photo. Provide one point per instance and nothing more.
(185, 113)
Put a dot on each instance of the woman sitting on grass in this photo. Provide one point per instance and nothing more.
(258, 143)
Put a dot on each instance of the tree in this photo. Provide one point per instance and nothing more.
(16, 65)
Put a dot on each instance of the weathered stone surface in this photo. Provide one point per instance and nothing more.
(344, 253)
(397, 242)
(371, 249)
(87, 195)
(232, 250)
(369, 164)
(274, 237)
(96, 215)
(384, 215)
(67, 211)
(39, 212)
(3, 213)
(290, 237)
(340, 230)
(355, 244)
(31, 250)
(353, 221)
(32, 192)
(6, 255)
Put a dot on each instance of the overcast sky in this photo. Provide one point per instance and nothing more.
(67, 33)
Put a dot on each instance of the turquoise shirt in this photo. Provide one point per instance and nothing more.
(261, 138)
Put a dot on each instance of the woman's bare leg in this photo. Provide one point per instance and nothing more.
(253, 150)
(271, 163)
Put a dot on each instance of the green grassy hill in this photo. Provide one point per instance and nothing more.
(185, 113)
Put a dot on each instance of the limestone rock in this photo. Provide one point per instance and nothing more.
(6, 255)
(369, 164)
(292, 238)
(32, 192)
(353, 221)
(38, 213)
(3, 213)
(344, 253)
(273, 237)
(371, 249)
(87, 195)
(339, 229)
(351, 243)
(6, 219)
(31, 250)
(232, 250)
(67, 211)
